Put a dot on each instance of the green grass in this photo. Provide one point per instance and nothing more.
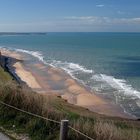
(4, 76)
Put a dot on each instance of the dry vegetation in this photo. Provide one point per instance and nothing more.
(96, 126)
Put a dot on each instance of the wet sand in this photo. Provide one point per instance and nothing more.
(49, 80)
(26, 76)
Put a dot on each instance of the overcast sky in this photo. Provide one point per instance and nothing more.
(70, 15)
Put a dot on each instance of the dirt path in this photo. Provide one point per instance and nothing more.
(3, 137)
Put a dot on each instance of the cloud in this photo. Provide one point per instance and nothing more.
(97, 20)
(77, 23)
(80, 18)
(128, 21)
(100, 5)
(121, 12)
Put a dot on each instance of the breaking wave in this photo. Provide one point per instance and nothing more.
(119, 84)
(102, 81)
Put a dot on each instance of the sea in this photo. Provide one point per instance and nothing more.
(106, 63)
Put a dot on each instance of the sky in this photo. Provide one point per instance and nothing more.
(69, 15)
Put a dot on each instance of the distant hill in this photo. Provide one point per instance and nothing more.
(21, 33)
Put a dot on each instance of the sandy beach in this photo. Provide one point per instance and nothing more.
(50, 80)
(24, 75)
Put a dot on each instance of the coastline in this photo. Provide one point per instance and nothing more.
(61, 84)
(18, 71)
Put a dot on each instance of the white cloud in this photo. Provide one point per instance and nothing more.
(102, 20)
(80, 18)
(100, 5)
(121, 12)
(77, 23)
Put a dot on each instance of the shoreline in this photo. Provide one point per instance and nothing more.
(57, 82)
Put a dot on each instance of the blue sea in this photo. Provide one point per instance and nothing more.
(106, 63)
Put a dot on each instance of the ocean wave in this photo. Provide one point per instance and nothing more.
(73, 70)
(71, 67)
(67, 66)
(100, 82)
(36, 54)
(119, 84)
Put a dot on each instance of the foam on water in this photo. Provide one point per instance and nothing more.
(119, 84)
(73, 68)
(69, 67)
(36, 54)
(103, 81)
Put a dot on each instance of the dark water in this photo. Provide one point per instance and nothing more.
(108, 63)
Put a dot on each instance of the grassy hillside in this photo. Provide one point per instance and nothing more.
(97, 126)
(4, 76)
